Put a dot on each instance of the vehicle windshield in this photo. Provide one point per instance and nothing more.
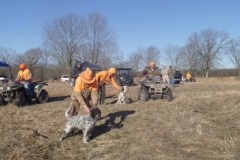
(124, 72)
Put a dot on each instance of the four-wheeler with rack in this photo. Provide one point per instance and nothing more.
(15, 93)
(154, 88)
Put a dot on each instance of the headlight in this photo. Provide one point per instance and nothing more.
(8, 88)
(1, 88)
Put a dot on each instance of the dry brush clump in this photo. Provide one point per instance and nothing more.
(202, 122)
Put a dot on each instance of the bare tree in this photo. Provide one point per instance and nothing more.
(110, 51)
(64, 37)
(209, 45)
(119, 60)
(32, 57)
(44, 65)
(83, 53)
(150, 53)
(7, 55)
(135, 61)
(173, 54)
(99, 39)
(234, 53)
(191, 59)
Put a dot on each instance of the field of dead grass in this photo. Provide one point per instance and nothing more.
(202, 122)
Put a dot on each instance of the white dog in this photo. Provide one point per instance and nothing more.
(86, 123)
(122, 95)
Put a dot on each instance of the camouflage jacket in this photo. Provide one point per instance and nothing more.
(153, 72)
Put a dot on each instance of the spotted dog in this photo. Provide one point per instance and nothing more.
(85, 122)
(122, 95)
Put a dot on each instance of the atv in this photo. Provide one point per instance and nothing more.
(190, 80)
(124, 76)
(15, 93)
(154, 88)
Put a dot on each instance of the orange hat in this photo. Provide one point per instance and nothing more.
(112, 70)
(22, 66)
(87, 76)
(151, 63)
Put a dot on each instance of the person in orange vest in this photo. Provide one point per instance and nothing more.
(102, 78)
(85, 92)
(25, 76)
(188, 77)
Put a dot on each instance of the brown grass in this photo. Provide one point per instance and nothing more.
(200, 123)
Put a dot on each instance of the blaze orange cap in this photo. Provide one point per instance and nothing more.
(22, 66)
(151, 63)
(112, 70)
(87, 76)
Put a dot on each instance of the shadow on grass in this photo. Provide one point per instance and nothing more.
(110, 122)
(128, 101)
(112, 96)
(58, 98)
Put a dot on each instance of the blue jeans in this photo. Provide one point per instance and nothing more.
(27, 88)
(171, 81)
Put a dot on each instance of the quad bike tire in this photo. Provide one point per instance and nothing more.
(169, 95)
(144, 94)
(43, 97)
(20, 100)
(2, 102)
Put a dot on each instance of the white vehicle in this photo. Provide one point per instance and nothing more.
(3, 79)
(64, 78)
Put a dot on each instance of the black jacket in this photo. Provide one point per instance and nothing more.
(76, 71)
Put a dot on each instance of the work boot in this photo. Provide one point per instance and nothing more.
(29, 99)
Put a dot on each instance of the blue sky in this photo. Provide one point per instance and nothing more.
(136, 22)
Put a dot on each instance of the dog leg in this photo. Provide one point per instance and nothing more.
(65, 132)
(63, 135)
(85, 136)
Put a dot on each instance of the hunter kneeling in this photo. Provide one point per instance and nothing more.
(84, 93)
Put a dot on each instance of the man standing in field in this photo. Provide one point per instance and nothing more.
(102, 78)
(165, 74)
(171, 76)
(77, 69)
(84, 93)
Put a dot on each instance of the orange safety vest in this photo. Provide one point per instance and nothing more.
(104, 78)
(24, 74)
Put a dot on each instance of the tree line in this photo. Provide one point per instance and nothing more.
(90, 38)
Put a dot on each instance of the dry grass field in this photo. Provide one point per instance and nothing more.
(202, 122)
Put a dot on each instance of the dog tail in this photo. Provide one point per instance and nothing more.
(66, 113)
